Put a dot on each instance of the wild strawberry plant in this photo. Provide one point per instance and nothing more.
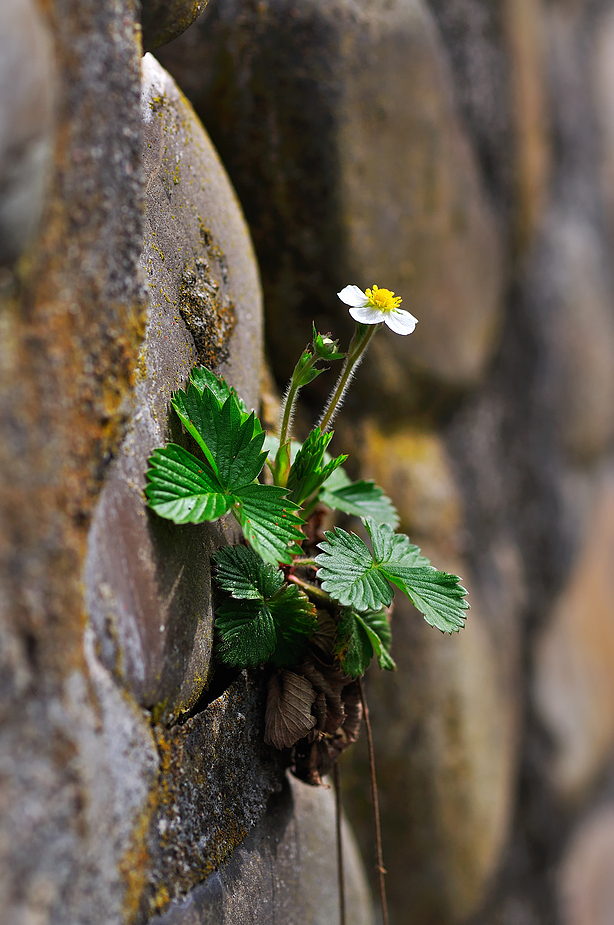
(318, 615)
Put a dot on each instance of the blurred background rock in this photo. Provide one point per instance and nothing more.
(460, 152)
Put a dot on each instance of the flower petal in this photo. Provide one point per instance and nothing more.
(400, 321)
(368, 315)
(354, 296)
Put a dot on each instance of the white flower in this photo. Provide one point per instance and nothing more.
(378, 305)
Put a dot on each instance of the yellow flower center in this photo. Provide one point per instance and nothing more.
(383, 299)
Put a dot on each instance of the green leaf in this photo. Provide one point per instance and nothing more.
(305, 372)
(308, 472)
(356, 578)
(295, 622)
(377, 625)
(265, 617)
(359, 637)
(269, 521)
(231, 442)
(182, 488)
(197, 412)
(185, 489)
(202, 378)
(362, 499)
(239, 455)
(391, 547)
(271, 445)
(244, 575)
(349, 574)
(437, 595)
(354, 648)
(247, 633)
(227, 438)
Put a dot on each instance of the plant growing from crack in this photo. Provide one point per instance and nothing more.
(318, 612)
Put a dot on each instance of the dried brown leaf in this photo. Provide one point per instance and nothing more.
(331, 687)
(288, 711)
(325, 635)
(321, 711)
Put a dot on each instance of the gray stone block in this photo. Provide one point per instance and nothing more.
(148, 581)
(337, 123)
(28, 80)
(285, 871)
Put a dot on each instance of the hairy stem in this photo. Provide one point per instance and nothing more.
(381, 870)
(359, 343)
(291, 396)
(316, 594)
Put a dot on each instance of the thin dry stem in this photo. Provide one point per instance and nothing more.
(381, 870)
(338, 814)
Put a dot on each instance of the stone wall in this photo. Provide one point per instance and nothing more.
(460, 152)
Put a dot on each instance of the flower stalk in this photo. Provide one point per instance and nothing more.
(360, 341)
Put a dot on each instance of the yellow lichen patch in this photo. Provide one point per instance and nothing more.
(161, 899)
(134, 865)
(165, 751)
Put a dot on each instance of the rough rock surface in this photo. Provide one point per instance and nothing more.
(215, 778)
(77, 757)
(585, 878)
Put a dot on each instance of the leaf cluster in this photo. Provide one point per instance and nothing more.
(265, 617)
(186, 489)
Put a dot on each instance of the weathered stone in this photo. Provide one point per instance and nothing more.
(216, 775)
(197, 253)
(148, 585)
(338, 128)
(27, 75)
(163, 21)
(475, 33)
(64, 835)
(524, 31)
(76, 753)
(285, 871)
(586, 875)
(603, 82)
(574, 681)
(571, 288)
